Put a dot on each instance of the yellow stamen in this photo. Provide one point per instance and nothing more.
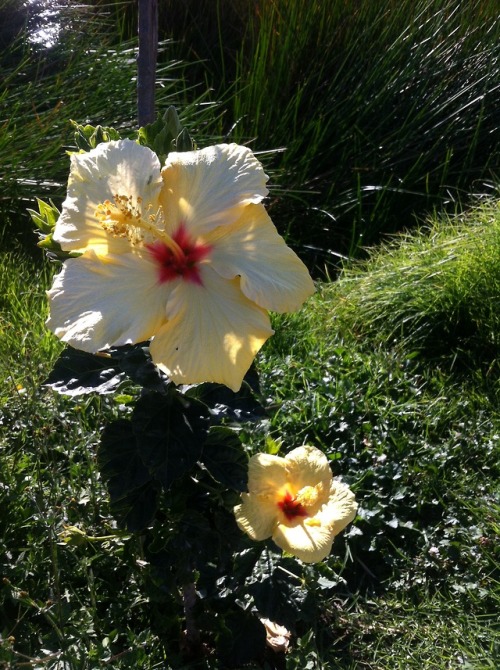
(123, 219)
(312, 521)
(309, 495)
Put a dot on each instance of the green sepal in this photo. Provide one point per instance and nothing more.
(45, 220)
(166, 134)
(46, 217)
(53, 249)
(88, 137)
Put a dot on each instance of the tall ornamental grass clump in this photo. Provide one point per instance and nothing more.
(85, 74)
(380, 110)
(374, 111)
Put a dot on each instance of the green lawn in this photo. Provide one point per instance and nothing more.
(413, 428)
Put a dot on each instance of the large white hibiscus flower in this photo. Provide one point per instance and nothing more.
(185, 256)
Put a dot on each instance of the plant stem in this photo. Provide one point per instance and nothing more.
(192, 633)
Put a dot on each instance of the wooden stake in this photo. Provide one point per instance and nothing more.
(146, 61)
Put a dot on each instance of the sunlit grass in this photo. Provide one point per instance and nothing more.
(434, 291)
(26, 347)
(417, 577)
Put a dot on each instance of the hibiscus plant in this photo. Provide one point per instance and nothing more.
(170, 267)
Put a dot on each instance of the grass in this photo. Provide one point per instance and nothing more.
(360, 140)
(415, 580)
(372, 133)
(434, 292)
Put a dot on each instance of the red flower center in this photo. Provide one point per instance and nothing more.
(182, 262)
(290, 507)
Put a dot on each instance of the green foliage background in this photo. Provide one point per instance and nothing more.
(386, 113)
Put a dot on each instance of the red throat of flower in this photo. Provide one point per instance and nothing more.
(184, 263)
(290, 507)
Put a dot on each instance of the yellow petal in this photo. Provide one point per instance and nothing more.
(99, 302)
(213, 332)
(272, 275)
(256, 517)
(308, 540)
(267, 474)
(121, 168)
(308, 466)
(207, 188)
(340, 509)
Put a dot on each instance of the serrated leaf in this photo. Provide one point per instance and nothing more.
(133, 496)
(229, 405)
(170, 431)
(136, 363)
(278, 595)
(225, 459)
(78, 372)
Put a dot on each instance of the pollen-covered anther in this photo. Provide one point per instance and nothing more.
(309, 495)
(121, 218)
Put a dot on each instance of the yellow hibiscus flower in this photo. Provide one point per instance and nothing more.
(185, 256)
(295, 501)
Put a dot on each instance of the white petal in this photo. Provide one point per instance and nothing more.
(272, 275)
(99, 302)
(213, 332)
(122, 167)
(206, 188)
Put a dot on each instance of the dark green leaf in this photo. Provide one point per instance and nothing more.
(136, 362)
(278, 595)
(78, 372)
(133, 496)
(170, 432)
(228, 405)
(225, 459)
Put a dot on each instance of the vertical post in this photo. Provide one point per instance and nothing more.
(146, 61)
